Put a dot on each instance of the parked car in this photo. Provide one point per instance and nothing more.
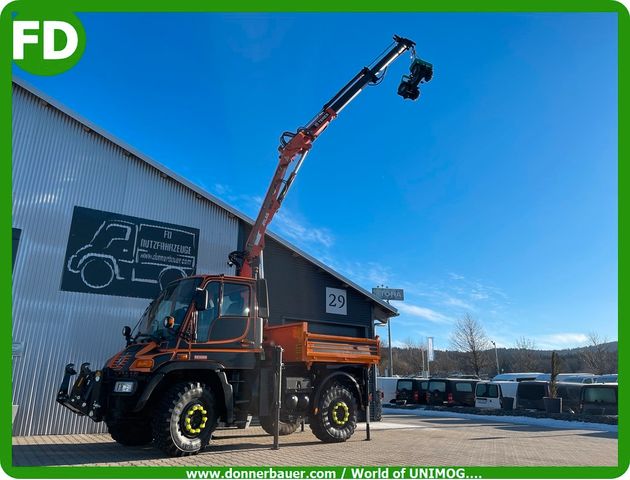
(530, 394)
(411, 390)
(516, 377)
(490, 395)
(571, 396)
(451, 391)
(599, 399)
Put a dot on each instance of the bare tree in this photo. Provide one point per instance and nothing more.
(525, 356)
(597, 356)
(470, 337)
(413, 355)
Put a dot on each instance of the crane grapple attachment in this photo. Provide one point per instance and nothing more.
(421, 72)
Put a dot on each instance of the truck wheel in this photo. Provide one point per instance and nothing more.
(184, 419)
(286, 428)
(336, 417)
(130, 432)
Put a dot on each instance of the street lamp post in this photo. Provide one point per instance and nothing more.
(496, 355)
(386, 294)
(389, 346)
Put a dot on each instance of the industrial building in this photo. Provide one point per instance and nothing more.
(99, 228)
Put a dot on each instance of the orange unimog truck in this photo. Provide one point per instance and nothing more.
(203, 351)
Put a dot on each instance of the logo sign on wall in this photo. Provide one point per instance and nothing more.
(113, 254)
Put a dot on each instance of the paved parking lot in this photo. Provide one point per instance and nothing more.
(398, 440)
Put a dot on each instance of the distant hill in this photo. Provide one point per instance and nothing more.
(608, 346)
(587, 359)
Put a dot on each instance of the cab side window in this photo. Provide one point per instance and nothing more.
(235, 301)
(208, 316)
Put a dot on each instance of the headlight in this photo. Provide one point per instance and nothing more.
(124, 387)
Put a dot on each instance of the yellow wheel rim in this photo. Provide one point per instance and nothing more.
(195, 422)
(340, 413)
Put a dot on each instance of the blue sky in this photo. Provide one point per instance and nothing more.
(495, 194)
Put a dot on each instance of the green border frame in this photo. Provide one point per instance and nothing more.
(459, 6)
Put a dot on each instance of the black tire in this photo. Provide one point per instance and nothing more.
(184, 419)
(336, 417)
(130, 432)
(286, 428)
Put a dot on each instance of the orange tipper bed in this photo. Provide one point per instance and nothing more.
(300, 345)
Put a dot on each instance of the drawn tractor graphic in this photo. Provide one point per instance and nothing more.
(121, 250)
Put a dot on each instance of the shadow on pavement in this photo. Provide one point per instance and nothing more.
(76, 454)
(90, 453)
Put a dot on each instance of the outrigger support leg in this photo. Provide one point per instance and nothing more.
(367, 406)
(277, 400)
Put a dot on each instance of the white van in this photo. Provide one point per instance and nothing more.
(489, 395)
(388, 386)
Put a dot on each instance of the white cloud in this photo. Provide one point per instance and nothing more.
(285, 222)
(221, 189)
(458, 303)
(560, 340)
(366, 274)
(289, 226)
(423, 312)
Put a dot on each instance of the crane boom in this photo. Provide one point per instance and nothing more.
(294, 147)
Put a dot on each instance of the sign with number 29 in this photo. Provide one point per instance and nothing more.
(336, 301)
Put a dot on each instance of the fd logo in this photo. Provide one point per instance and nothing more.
(47, 44)
(21, 38)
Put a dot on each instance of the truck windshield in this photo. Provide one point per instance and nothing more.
(174, 300)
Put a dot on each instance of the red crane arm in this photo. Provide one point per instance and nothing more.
(295, 146)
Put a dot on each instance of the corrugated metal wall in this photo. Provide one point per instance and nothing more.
(58, 164)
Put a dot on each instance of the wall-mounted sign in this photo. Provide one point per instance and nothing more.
(389, 293)
(336, 301)
(115, 254)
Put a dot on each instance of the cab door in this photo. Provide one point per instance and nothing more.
(226, 324)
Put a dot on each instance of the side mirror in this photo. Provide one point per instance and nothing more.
(262, 298)
(169, 322)
(201, 300)
(126, 331)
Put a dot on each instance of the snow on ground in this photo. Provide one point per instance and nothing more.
(539, 422)
(385, 425)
